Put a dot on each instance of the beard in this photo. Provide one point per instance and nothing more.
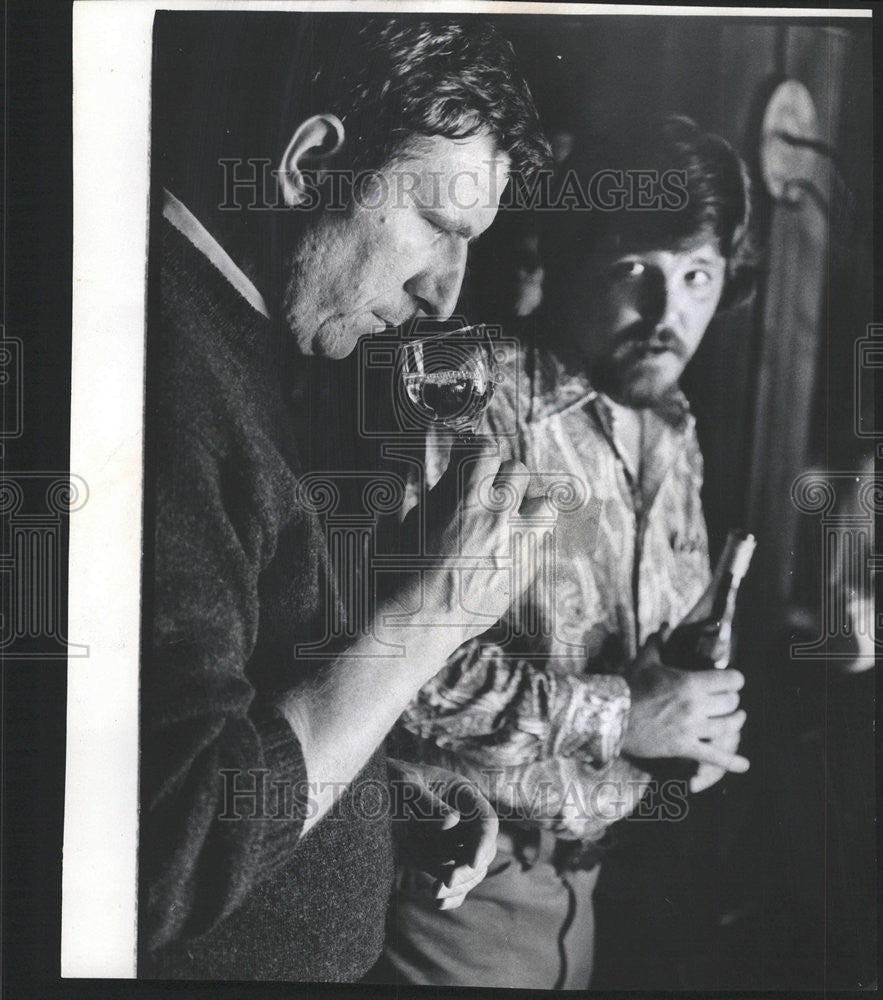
(642, 368)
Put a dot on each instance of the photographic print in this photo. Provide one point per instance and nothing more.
(471, 499)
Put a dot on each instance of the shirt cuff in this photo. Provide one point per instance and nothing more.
(594, 720)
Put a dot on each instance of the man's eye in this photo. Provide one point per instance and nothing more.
(698, 278)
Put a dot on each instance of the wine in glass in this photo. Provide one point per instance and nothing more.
(448, 379)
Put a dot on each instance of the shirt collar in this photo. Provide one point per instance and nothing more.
(177, 213)
(556, 386)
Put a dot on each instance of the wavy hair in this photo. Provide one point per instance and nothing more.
(714, 198)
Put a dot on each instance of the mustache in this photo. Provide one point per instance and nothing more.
(646, 334)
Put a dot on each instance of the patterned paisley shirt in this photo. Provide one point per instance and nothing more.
(536, 715)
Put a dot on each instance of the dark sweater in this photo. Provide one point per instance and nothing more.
(234, 579)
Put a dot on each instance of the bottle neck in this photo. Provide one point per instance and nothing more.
(718, 600)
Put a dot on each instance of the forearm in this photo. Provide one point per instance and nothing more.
(495, 707)
(342, 713)
(240, 782)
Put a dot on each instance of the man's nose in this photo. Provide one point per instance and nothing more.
(659, 297)
(437, 285)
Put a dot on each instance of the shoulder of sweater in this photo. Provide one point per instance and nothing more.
(216, 367)
(202, 302)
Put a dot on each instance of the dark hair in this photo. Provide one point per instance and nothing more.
(234, 85)
(428, 76)
(702, 187)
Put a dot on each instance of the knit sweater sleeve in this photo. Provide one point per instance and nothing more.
(215, 761)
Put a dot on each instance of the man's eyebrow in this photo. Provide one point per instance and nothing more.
(703, 257)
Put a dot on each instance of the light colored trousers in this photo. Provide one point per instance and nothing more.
(518, 928)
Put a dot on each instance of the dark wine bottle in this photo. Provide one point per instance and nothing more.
(704, 632)
(702, 639)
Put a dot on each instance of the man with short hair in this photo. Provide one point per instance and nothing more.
(550, 712)
(266, 836)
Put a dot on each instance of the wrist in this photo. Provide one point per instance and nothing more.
(417, 639)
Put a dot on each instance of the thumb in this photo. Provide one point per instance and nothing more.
(509, 485)
(429, 805)
(709, 753)
(706, 775)
(450, 819)
(537, 506)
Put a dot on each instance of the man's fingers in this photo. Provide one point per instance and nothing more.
(469, 463)
(479, 827)
(451, 903)
(509, 485)
(726, 703)
(537, 507)
(473, 857)
(482, 464)
(450, 897)
(431, 826)
(479, 840)
(530, 540)
(727, 680)
(711, 754)
(717, 681)
(449, 819)
(723, 726)
(705, 777)
(429, 808)
(462, 880)
(486, 849)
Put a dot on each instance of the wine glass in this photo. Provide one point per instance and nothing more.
(447, 378)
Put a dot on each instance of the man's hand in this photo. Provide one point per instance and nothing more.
(464, 583)
(710, 774)
(446, 829)
(684, 713)
(470, 539)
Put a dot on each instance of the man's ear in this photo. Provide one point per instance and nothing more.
(315, 139)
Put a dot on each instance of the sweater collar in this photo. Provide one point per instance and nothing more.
(180, 216)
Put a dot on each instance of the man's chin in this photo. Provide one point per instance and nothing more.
(337, 339)
(642, 397)
(640, 386)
